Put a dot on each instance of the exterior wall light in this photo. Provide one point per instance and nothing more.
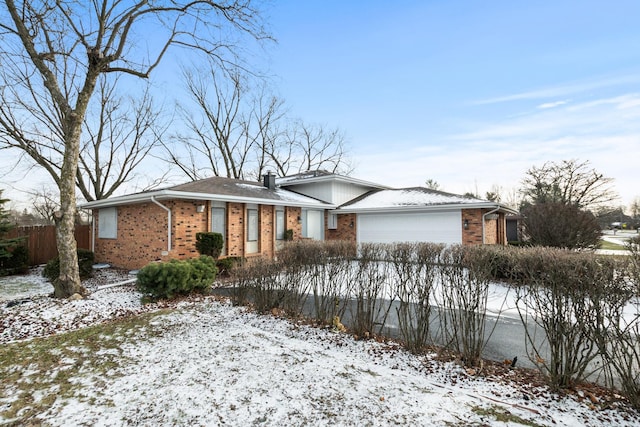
(466, 224)
(299, 220)
(200, 208)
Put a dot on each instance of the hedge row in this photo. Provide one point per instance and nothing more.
(577, 300)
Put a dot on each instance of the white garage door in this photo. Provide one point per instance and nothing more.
(436, 227)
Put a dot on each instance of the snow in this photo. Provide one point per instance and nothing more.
(410, 197)
(208, 363)
(216, 364)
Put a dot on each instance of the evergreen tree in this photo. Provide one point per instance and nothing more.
(5, 226)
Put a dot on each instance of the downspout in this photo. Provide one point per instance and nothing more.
(93, 231)
(153, 199)
(483, 219)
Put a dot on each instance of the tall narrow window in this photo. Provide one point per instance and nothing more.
(332, 221)
(252, 225)
(218, 224)
(108, 223)
(280, 224)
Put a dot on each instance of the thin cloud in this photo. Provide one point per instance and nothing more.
(551, 105)
(562, 91)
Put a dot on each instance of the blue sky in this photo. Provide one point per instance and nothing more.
(468, 93)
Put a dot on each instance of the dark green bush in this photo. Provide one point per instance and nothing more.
(85, 266)
(209, 244)
(16, 263)
(173, 278)
(225, 265)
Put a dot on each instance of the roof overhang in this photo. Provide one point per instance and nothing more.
(182, 195)
(284, 182)
(427, 208)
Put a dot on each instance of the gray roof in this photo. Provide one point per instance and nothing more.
(217, 188)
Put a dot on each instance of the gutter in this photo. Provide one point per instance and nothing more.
(183, 195)
(153, 199)
(483, 219)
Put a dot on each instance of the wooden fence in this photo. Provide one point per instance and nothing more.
(41, 241)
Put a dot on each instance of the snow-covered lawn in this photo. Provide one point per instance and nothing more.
(203, 362)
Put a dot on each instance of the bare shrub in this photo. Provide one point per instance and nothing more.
(242, 278)
(372, 294)
(561, 225)
(465, 273)
(557, 302)
(259, 281)
(323, 269)
(616, 332)
(415, 266)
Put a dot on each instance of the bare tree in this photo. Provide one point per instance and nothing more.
(53, 53)
(494, 194)
(236, 130)
(304, 146)
(126, 131)
(634, 209)
(432, 184)
(45, 204)
(228, 127)
(569, 182)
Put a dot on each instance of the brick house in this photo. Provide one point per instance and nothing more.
(132, 230)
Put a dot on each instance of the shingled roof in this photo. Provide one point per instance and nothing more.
(217, 188)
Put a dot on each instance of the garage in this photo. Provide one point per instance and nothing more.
(436, 227)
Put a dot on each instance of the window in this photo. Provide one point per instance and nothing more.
(332, 222)
(312, 224)
(252, 225)
(218, 223)
(108, 223)
(280, 224)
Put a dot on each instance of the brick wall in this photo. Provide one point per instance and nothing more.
(346, 230)
(142, 236)
(267, 230)
(292, 214)
(495, 229)
(473, 234)
(491, 231)
(235, 229)
(186, 223)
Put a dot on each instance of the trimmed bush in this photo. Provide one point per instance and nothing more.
(225, 265)
(173, 278)
(85, 266)
(209, 244)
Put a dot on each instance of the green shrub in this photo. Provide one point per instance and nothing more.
(288, 235)
(225, 265)
(173, 278)
(16, 263)
(209, 244)
(85, 266)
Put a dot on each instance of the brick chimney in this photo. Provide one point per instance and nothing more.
(270, 181)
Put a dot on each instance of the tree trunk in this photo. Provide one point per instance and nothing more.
(68, 283)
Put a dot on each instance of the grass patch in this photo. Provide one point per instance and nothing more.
(503, 415)
(611, 246)
(38, 372)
